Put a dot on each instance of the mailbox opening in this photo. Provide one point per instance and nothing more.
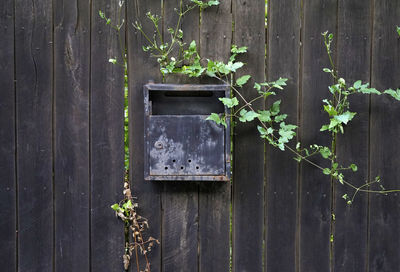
(180, 144)
(185, 102)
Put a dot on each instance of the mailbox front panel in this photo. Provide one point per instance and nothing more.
(186, 146)
(180, 144)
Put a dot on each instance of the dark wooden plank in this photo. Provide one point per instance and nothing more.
(180, 200)
(214, 198)
(282, 189)
(106, 138)
(350, 226)
(180, 227)
(248, 175)
(33, 43)
(141, 69)
(315, 188)
(71, 169)
(191, 31)
(8, 213)
(385, 143)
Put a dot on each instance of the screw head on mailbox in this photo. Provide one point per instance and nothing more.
(180, 144)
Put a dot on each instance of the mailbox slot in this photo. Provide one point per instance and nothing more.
(180, 144)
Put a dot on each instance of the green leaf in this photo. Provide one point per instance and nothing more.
(238, 50)
(222, 68)
(192, 46)
(262, 131)
(280, 118)
(366, 90)
(357, 84)
(341, 179)
(213, 3)
(330, 110)
(247, 116)
(398, 30)
(116, 207)
(242, 80)
(233, 66)
(127, 205)
(286, 132)
(393, 93)
(327, 70)
(325, 152)
(215, 117)
(264, 116)
(229, 102)
(275, 108)
(281, 146)
(370, 91)
(345, 117)
(353, 167)
(257, 86)
(324, 128)
(326, 171)
(278, 83)
(298, 159)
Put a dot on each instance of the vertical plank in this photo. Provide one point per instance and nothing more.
(385, 143)
(8, 246)
(350, 226)
(214, 198)
(106, 138)
(281, 189)
(248, 181)
(71, 170)
(141, 69)
(180, 201)
(180, 227)
(315, 194)
(33, 44)
(189, 24)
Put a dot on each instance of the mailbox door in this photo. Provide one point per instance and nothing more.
(185, 148)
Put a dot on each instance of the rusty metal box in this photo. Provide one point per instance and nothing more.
(180, 144)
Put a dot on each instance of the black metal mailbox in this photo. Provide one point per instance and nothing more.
(180, 144)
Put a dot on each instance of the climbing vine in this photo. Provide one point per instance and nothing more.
(176, 57)
(272, 125)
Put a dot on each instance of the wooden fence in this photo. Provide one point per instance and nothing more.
(62, 146)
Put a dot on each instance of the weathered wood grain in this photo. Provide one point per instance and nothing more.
(71, 110)
(315, 188)
(180, 201)
(384, 216)
(215, 198)
(283, 57)
(141, 70)
(106, 137)
(189, 24)
(33, 44)
(8, 246)
(248, 172)
(353, 54)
